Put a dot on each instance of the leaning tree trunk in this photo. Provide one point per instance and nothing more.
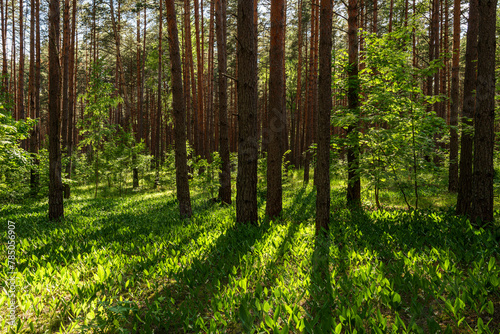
(181, 167)
(56, 209)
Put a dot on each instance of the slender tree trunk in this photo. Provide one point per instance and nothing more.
(246, 184)
(3, 25)
(277, 116)
(33, 147)
(391, 14)
(225, 174)
(322, 173)
(119, 63)
(13, 80)
(139, 80)
(182, 182)
(34, 175)
(65, 77)
(158, 103)
(56, 209)
(71, 99)
(484, 126)
(455, 103)
(209, 97)
(65, 83)
(20, 82)
(201, 127)
(464, 197)
(139, 111)
(298, 105)
(353, 179)
(311, 97)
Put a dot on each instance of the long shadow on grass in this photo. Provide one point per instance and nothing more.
(191, 289)
(302, 207)
(122, 228)
(320, 288)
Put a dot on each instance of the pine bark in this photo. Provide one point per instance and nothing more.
(20, 82)
(298, 104)
(3, 25)
(182, 182)
(65, 76)
(484, 126)
(277, 115)
(157, 151)
(33, 147)
(56, 209)
(246, 184)
(455, 103)
(225, 174)
(322, 172)
(469, 106)
(353, 178)
(201, 127)
(71, 99)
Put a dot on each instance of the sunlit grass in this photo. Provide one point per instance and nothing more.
(129, 264)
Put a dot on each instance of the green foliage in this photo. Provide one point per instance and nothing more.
(14, 160)
(99, 99)
(131, 264)
(205, 175)
(399, 136)
(109, 148)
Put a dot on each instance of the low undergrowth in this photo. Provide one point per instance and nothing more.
(131, 265)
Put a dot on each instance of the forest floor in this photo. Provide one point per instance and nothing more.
(129, 264)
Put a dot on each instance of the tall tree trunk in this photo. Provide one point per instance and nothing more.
(56, 209)
(182, 182)
(119, 63)
(209, 97)
(158, 103)
(391, 14)
(246, 184)
(139, 115)
(34, 174)
(65, 77)
(225, 174)
(455, 103)
(322, 173)
(20, 82)
(298, 104)
(464, 197)
(353, 178)
(31, 92)
(3, 26)
(311, 97)
(71, 99)
(139, 80)
(484, 126)
(277, 116)
(13, 78)
(199, 58)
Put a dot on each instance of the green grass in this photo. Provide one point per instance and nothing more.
(131, 265)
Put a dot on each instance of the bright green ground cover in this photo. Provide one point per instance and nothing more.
(130, 265)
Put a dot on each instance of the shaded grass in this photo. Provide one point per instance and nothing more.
(130, 264)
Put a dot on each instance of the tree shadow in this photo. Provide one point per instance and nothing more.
(189, 291)
(321, 301)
